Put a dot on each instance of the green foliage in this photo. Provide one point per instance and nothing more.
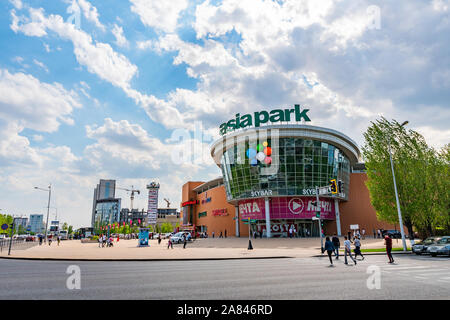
(65, 226)
(166, 227)
(421, 175)
(70, 230)
(5, 218)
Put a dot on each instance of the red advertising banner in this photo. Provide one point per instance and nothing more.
(287, 208)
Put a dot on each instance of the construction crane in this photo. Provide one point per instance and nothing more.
(132, 195)
(168, 202)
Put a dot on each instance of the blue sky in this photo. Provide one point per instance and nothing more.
(100, 96)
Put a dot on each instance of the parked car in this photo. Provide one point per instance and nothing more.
(395, 234)
(421, 247)
(441, 247)
(178, 237)
(30, 238)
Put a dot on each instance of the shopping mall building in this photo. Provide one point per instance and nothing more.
(270, 170)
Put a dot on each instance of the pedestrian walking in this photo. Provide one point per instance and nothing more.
(363, 234)
(159, 238)
(329, 248)
(221, 234)
(184, 241)
(225, 233)
(213, 234)
(103, 240)
(336, 244)
(388, 243)
(58, 238)
(348, 250)
(294, 232)
(40, 239)
(118, 238)
(169, 243)
(50, 240)
(100, 241)
(358, 248)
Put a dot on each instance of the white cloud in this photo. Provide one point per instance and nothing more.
(99, 58)
(121, 41)
(90, 12)
(41, 65)
(162, 15)
(17, 4)
(33, 104)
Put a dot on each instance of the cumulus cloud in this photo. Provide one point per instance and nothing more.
(99, 58)
(121, 41)
(34, 104)
(89, 12)
(162, 15)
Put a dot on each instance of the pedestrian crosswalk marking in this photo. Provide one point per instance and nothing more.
(404, 268)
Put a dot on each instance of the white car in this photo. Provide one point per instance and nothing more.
(441, 247)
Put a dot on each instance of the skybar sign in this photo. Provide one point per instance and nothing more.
(262, 117)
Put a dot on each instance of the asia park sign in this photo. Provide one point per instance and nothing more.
(262, 117)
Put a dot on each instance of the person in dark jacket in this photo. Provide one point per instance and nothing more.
(329, 248)
(336, 245)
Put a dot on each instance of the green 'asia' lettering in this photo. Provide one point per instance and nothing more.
(261, 117)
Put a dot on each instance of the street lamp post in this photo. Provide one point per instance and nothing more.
(396, 193)
(48, 208)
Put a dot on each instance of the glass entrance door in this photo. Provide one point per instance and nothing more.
(308, 229)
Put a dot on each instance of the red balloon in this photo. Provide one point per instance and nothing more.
(267, 151)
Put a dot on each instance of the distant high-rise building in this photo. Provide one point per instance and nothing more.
(105, 207)
(37, 223)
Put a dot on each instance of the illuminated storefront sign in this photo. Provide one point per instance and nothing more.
(188, 203)
(220, 212)
(262, 117)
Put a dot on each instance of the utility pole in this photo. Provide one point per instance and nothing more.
(400, 222)
(48, 208)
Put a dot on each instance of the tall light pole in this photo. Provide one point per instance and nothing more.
(48, 207)
(396, 193)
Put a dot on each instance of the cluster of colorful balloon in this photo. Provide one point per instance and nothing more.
(261, 154)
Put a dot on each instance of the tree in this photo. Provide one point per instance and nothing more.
(5, 219)
(418, 173)
(65, 226)
(70, 230)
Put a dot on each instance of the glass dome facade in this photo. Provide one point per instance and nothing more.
(302, 165)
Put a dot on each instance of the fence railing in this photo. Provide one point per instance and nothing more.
(16, 244)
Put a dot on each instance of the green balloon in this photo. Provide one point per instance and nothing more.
(260, 147)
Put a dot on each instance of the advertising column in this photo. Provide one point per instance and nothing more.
(152, 211)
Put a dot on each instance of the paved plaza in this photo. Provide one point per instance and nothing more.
(210, 248)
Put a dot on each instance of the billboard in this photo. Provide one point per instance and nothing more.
(152, 212)
(287, 208)
(143, 237)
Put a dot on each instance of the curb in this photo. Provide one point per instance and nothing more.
(187, 259)
(370, 253)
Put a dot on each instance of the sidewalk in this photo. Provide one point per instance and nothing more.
(209, 249)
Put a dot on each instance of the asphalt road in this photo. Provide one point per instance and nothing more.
(412, 277)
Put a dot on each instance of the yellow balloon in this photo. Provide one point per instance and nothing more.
(265, 144)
